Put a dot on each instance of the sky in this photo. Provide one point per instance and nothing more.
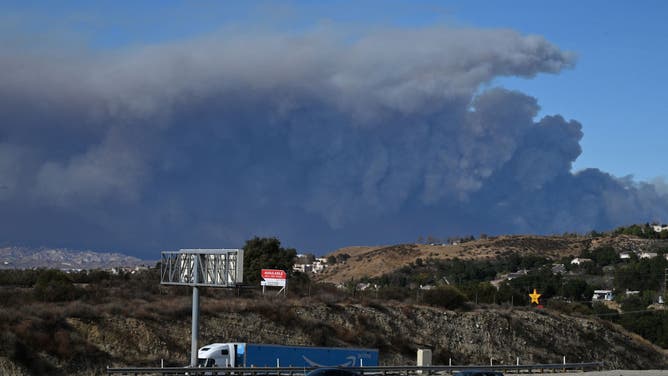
(165, 125)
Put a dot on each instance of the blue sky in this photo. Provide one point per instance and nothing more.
(164, 124)
(617, 89)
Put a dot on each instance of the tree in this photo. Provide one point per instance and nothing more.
(266, 253)
(448, 297)
(604, 256)
(576, 289)
(55, 286)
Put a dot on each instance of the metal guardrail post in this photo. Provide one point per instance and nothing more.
(382, 370)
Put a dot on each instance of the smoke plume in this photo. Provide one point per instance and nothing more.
(321, 139)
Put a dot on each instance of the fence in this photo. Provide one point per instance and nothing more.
(366, 371)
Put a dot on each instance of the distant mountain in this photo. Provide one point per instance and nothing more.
(25, 258)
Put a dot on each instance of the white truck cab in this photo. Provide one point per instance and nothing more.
(217, 355)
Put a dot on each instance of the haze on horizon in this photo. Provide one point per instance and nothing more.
(324, 137)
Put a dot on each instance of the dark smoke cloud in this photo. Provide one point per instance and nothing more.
(322, 139)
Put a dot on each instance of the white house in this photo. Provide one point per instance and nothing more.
(519, 273)
(366, 286)
(625, 255)
(659, 228)
(304, 268)
(606, 295)
(319, 265)
(647, 255)
(580, 261)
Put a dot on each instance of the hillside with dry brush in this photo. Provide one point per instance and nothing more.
(373, 261)
(127, 323)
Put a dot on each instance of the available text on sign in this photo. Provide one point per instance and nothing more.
(273, 277)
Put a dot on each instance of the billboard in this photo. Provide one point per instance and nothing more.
(202, 267)
(273, 277)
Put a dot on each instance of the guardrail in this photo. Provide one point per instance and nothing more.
(369, 371)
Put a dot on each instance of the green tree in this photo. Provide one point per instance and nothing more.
(644, 274)
(576, 289)
(447, 296)
(480, 292)
(54, 286)
(266, 253)
(605, 256)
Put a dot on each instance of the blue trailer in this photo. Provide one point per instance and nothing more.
(239, 354)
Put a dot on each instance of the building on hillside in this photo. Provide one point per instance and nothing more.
(304, 268)
(580, 261)
(625, 255)
(660, 228)
(366, 286)
(319, 265)
(647, 255)
(602, 295)
(519, 273)
(127, 269)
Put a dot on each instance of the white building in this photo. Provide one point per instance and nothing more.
(580, 261)
(659, 228)
(625, 255)
(319, 265)
(599, 295)
(304, 268)
(517, 274)
(647, 255)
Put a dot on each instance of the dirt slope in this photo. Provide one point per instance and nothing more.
(372, 261)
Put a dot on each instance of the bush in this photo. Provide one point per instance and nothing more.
(55, 286)
(568, 307)
(445, 296)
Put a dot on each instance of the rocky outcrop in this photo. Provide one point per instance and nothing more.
(148, 335)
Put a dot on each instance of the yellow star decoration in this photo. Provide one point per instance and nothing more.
(534, 297)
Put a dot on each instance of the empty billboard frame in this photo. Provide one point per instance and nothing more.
(202, 267)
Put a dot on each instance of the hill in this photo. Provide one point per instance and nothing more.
(84, 337)
(374, 261)
(56, 258)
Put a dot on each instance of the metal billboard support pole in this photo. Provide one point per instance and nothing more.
(201, 268)
(195, 323)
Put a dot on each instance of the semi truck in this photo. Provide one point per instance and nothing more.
(239, 354)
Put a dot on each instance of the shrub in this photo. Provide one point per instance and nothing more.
(445, 296)
(54, 286)
(568, 308)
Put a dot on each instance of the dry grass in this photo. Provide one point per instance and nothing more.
(379, 260)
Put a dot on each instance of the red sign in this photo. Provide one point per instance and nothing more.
(273, 274)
